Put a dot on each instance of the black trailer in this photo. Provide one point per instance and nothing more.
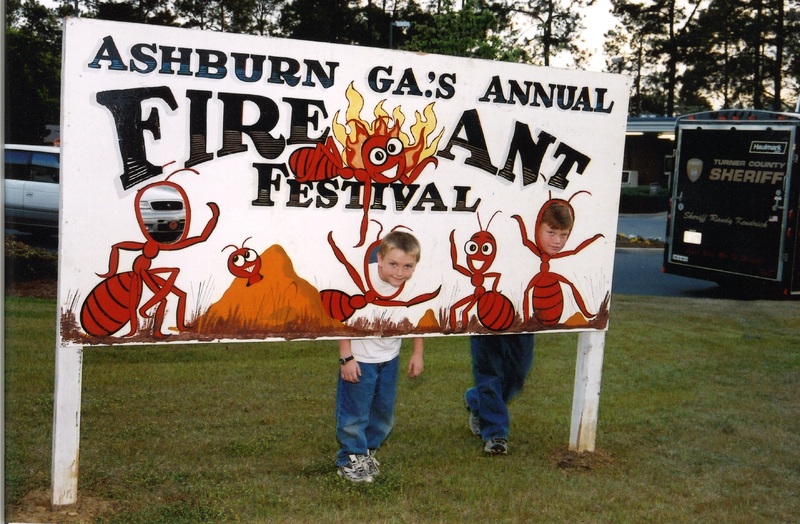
(733, 212)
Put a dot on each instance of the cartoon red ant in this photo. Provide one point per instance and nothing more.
(245, 263)
(115, 300)
(373, 153)
(495, 310)
(341, 306)
(553, 227)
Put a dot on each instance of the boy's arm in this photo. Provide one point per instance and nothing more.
(351, 370)
(416, 363)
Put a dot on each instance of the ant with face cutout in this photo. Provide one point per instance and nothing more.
(341, 306)
(115, 301)
(553, 228)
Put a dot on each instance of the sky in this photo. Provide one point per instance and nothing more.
(597, 19)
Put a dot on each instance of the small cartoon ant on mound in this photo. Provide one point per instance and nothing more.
(245, 263)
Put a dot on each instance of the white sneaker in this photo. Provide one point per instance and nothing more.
(474, 424)
(496, 446)
(371, 464)
(356, 470)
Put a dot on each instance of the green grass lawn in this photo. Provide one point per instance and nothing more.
(699, 422)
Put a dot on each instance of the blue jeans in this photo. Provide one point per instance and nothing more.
(365, 411)
(500, 364)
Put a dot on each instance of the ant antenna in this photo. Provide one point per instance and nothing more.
(487, 224)
(490, 220)
(380, 226)
(196, 172)
(395, 228)
(578, 193)
(235, 247)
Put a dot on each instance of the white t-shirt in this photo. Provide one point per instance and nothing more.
(377, 350)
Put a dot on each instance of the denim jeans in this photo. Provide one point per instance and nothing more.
(500, 364)
(365, 411)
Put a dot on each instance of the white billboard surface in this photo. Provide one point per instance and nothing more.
(230, 187)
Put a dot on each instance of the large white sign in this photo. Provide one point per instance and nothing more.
(229, 187)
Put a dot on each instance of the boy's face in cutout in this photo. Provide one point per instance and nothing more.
(551, 240)
(396, 267)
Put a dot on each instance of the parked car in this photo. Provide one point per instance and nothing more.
(30, 180)
(163, 213)
(32, 194)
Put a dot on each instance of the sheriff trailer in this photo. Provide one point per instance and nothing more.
(733, 212)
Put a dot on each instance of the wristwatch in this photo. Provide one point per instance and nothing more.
(345, 360)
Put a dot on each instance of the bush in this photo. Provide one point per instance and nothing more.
(25, 263)
(640, 199)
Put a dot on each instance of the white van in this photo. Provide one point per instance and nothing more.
(30, 184)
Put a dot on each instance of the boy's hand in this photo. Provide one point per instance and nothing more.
(415, 365)
(351, 371)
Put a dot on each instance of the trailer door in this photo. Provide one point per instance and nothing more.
(729, 204)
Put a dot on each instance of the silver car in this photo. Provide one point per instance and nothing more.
(30, 184)
(163, 213)
(32, 195)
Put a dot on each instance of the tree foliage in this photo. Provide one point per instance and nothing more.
(684, 55)
(691, 55)
(476, 30)
(32, 71)
(556, 25)
(334, 21)
(746, 53)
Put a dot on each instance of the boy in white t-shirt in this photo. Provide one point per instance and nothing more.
(367, 387)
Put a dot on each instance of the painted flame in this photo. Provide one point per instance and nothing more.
(356, 131)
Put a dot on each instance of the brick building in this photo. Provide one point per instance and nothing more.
(649, 141)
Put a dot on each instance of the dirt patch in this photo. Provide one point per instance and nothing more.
(565, 459)
(35, 508)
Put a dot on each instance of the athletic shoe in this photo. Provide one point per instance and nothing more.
(474, 424)
(474, 420)
(356, 470)
(371, 464)
(496, 446)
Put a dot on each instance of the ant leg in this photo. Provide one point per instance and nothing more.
(159, 320)
(453, 317)
(578, 298)
(526, 306)
(134, 297)
(465, 312)
(348, 266)
(454, 307)
(181, 312)
(365, 217)
(407, 303)
(159, 286)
